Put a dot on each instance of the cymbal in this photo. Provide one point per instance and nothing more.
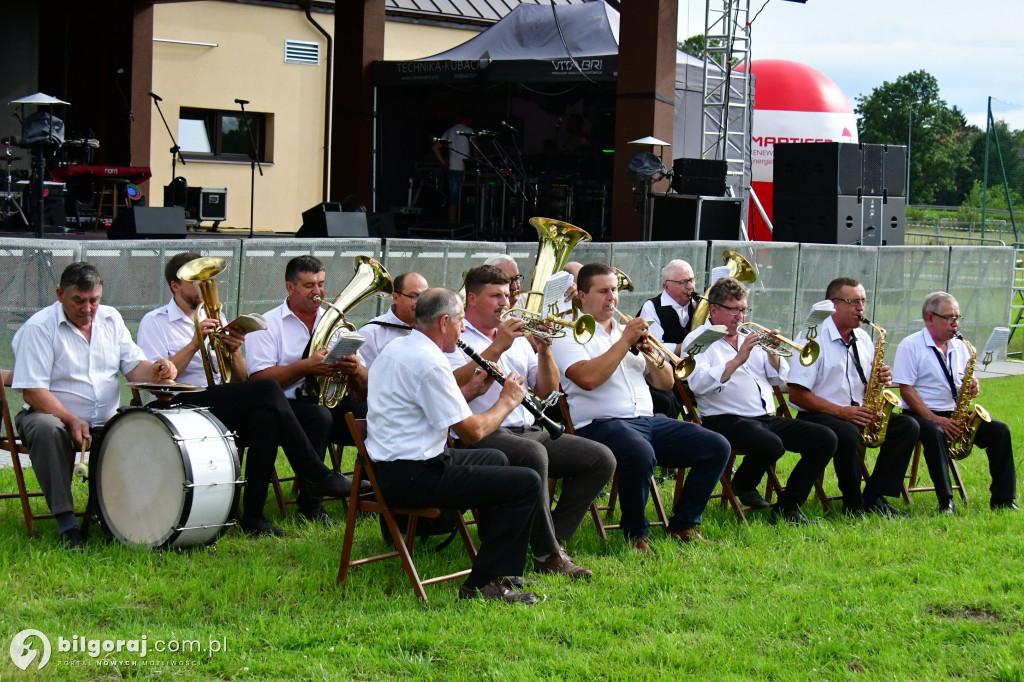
(164, 387)
(39, 98)
(650, 139)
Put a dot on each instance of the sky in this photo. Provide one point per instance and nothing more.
(974, 48)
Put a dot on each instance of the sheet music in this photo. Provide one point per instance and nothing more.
(554, 293)
(820, 312)
(344, 344)
(699, 340)
(996, 345)
(719, 272)
(250, 322)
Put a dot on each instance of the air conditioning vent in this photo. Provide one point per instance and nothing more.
(301, 52)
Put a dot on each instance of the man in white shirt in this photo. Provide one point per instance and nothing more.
(508, 265)
(583, 465)
(279, 353)
(831, 393)
(397, 322)
(607, 389)
(66, 360)
(413, 402)
(930, 372)
(452, 149)
(732, 383)
(256, 410)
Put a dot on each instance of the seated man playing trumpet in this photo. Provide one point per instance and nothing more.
(732, 383)
(607, 389)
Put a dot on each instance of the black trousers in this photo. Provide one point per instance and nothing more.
(765, 439)
(259, 413)
(323, 425)
(890, 467)
(993, 437)
(505, 498)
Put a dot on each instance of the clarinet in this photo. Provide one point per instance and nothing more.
(529, 402)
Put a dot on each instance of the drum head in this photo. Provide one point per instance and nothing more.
(140, 481)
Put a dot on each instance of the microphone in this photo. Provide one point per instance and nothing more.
(510, 127)
(156, 97)
(442, 140)
(487, 133)
(464, 133)
(241, 101)
(119, 72)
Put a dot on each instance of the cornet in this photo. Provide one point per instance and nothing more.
(769, 343)
(681, 367)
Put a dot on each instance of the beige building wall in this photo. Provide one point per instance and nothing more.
(248, 63)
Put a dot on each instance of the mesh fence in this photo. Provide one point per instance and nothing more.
(790, 277)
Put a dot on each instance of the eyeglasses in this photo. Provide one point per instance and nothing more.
(411, 297)
(682, 282)
(516, 280)
(736, 312)
(951, 318)
(853, 301)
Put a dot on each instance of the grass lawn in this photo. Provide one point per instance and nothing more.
(916, 599)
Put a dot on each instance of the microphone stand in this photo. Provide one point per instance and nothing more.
(128, 108)
(254, 162)
(175, 149)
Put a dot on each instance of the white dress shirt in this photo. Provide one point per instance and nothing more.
(747, 392)
(519, 358)
(51, 353)
(834, 375)
(917, 366)
(623, 395)
(378, 335)
(280, 344)
(165, 331)
(648, 312)
(413, 399)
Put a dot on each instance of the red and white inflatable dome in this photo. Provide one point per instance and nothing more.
(792, 103)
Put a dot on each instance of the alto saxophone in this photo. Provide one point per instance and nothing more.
(877, 397)
(963, 416)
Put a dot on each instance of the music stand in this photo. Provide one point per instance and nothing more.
(642, 171)
(38, 161)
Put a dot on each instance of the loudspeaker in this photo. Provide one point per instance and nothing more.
(149, 222)
(894, 221)
(54, 213)
(894, 171)
(817, 169)
(702, 177)
(328, 220)
(686, 218)
(382, 224)
(818, 220)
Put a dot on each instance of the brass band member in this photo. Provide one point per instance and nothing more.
(397, 322)
(607, 389)
(930, 366)
(732, 383)
(583, 465)
(831, 392)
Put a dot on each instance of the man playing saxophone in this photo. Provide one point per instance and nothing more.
(830, 392)
(934, 370)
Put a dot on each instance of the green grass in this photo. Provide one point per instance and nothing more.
(922, 598)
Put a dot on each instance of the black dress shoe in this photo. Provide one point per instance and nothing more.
(495, 590)
(883, 508)
(751, 498)
(72, 538)
(331, 485)
(259, 527)
(946, 507)
(317, 515)
(1004, 504)
(790, 514)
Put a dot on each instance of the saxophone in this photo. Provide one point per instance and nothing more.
(963, 416)
(877, 398)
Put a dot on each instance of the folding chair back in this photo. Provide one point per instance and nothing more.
(375, 503)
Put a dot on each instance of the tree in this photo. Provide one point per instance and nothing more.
(911, 110)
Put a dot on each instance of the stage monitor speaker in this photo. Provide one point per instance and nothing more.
(382, 224)
(704, 177)
(328, 220)
(683, 218)
(817, 169)
(148, 222)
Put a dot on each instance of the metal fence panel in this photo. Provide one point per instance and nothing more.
(905, 276)
(642, 263)
(263, 264)
(981, 279)
(772, 295)
(820, 264)
(441, 262)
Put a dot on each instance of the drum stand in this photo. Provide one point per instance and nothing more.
(10, 205)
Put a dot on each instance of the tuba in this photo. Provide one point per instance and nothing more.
(876, 397)
(739, 269)
(963, 416)
(557, 240)
(216, 356)
(371, 279)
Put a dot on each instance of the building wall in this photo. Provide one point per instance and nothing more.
(248, 63)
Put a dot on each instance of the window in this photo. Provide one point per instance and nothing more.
(221, 135)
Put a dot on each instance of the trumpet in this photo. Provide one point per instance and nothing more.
(582, 328)
(769, 343)
(682, 367)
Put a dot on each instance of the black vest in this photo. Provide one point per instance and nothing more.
(675, 332)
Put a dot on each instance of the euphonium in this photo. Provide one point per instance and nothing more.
(557, 240)
(770, 343)
(739, 269)
(370, 279)
(877, 398)
(216, 356)
(963, 416)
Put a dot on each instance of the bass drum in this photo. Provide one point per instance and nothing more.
(167, 477)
